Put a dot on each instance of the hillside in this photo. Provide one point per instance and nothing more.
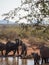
(34, 34)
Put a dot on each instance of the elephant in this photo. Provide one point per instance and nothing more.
(24, 49)
(44, 52)
(2, 47)
(10, 46)
(36, 58)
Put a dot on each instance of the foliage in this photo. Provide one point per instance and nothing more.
(39, 10)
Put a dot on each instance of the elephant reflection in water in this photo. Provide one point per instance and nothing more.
(1, 59)
(24, 62)
(13, 61)
(9, 61)
(4, 61)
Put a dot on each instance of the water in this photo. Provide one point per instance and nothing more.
(16, 61)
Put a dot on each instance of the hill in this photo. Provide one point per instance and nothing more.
(31, 32)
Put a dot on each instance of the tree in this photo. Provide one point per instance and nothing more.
(31, 10)
(39, 9)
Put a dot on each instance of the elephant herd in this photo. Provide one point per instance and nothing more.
(11, 46)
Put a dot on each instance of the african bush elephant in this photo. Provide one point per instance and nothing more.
(24, 49)
(44, 52)
(10, 46)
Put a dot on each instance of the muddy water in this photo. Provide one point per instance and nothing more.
(17, 61)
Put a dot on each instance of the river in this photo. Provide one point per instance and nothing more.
(17, 61)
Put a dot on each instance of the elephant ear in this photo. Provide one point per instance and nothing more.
(17, 40)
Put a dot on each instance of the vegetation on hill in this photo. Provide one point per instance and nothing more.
(33, 33)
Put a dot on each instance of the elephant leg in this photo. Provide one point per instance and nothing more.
(6, 52)
(22, 52)
(17, 51)
(34, 62)
(25, 52)
(2, 52)
(45, 60)
(42, 61)
(38, 62)
(14, 52)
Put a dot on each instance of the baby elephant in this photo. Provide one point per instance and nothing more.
(36, 58)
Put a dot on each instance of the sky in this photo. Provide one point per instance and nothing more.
(7, 5)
